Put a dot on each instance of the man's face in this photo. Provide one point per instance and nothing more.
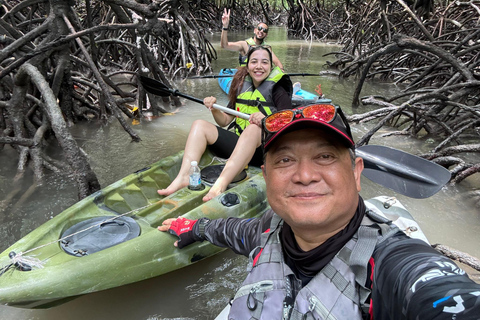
(260, 31)
(310, 181)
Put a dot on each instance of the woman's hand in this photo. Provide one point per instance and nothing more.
(226, 18)
(256, 118)
(209, 102)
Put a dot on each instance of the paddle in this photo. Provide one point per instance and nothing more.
(214, 76)
(402, 172)
(397, 170)
(158, 88)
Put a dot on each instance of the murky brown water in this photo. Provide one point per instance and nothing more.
(201, 290)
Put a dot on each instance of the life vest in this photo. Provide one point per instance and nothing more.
(242, 60)
(259, 100)
(337, 292)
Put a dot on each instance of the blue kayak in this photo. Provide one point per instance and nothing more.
(300, 97)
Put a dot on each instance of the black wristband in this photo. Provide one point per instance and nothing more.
(226, 29)
(199, 229)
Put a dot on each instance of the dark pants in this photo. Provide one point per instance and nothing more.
(226, 142)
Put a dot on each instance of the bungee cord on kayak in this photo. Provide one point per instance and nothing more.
(22, 261)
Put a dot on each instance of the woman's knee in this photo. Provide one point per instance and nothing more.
(252, 129)
(199, 126)
(203, 128)
(199, 123)
(252, 133)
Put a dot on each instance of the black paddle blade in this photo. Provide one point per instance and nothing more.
(155, 87)
(402, 172)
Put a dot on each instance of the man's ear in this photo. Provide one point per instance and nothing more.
(263, 171)
(358, 172)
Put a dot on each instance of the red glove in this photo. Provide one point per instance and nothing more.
(183, 229)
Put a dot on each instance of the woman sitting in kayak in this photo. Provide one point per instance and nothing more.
(257, 89)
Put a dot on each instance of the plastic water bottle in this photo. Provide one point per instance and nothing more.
(195, 179)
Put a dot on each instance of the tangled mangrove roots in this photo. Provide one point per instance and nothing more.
(64, 61)
(314, 21)
(433, 54)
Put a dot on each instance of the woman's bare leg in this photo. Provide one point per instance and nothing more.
(201, 134)
(249, 140)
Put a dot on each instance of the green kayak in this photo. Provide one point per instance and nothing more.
(110, 238)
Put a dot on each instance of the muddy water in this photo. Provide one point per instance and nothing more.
(200, 291)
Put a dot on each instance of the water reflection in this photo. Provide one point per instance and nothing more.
(201, 290)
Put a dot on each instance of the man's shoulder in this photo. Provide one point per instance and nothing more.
(407, 255)
(249, 39)
(401, 240)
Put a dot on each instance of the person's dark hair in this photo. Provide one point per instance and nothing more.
(242, 72)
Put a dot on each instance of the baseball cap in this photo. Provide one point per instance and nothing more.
(324, 116)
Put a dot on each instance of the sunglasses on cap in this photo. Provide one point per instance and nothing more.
(260, 28)
(278, 120)
(323, 113)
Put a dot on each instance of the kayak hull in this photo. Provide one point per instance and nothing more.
(299, 98)
(63, 276)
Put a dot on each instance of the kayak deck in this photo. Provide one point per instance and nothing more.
(62, 275)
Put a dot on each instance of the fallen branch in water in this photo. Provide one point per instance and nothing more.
(460, 256)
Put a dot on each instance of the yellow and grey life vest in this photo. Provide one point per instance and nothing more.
(250, 100)
(242, 60)
(337, 292)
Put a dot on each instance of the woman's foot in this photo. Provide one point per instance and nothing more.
(176, 184)
(215, 190)
(297, 86)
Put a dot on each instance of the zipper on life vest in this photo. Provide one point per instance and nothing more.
(289, 297)
(251, 290)
(252, 295)
(318, 307)
(247, 289)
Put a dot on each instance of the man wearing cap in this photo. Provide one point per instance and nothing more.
(260, 34)
(319, 253)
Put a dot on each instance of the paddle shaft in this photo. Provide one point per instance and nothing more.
(229, 76)
(160, 89)
(216, 106)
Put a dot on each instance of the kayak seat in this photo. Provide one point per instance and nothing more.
(210, 174)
